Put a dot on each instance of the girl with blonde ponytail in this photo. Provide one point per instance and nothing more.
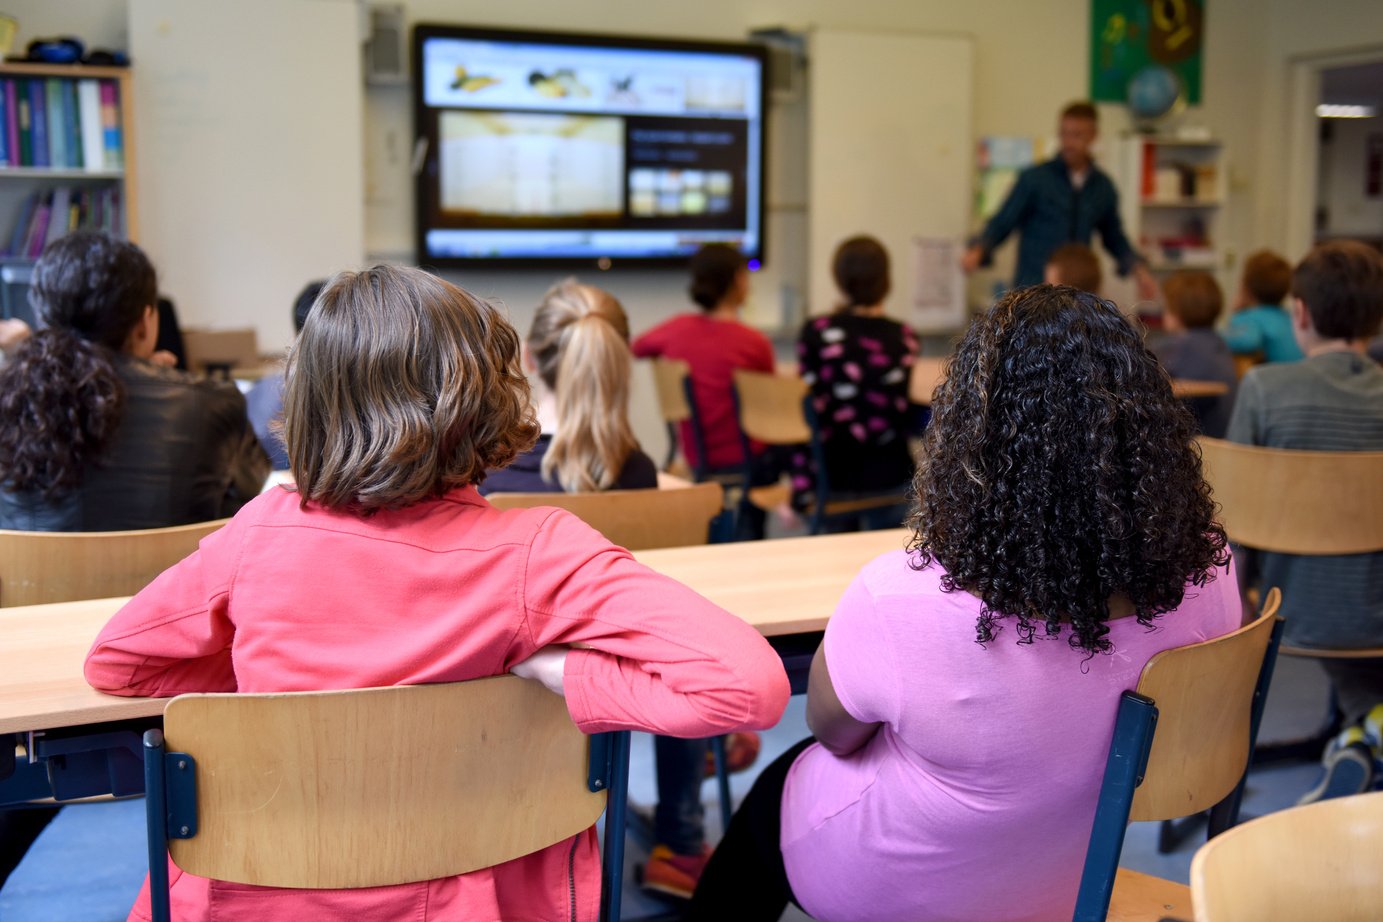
(578, 347)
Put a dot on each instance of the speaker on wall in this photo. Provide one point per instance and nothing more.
(386, 59)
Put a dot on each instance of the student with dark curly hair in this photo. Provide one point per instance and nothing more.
(965, 693)
(99, 438)
(384, 566)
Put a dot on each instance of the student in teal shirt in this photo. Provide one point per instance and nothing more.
(1260, 324)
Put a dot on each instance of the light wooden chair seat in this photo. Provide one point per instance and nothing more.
(1143, 898)
(1181, 746)
(637, 520)
(1320, 861)
(373, 787)
(37, 567)
(773, 410)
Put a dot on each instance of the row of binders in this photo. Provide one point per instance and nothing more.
(47, 215)
(60, 123)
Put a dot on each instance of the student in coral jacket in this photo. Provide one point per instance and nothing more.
(386, 567)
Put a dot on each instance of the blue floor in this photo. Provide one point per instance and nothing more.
(102, 845)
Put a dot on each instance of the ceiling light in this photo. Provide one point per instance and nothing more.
(1338, 111)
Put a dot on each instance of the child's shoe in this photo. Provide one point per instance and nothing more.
(1348, 768)
(672, 874)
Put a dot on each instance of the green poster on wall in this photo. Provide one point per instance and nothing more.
(1145, 40)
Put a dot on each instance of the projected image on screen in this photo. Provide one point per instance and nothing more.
(538, 147)
(515, 165)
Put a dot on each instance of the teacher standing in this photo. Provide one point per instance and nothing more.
(1065, 200)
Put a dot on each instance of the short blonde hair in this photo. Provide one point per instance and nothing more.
(580, 344)
(400, 388)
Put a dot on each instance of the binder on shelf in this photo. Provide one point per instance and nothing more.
(4, 134)
(12, 122)
(93, 138)
(71, 124)
(26, 126)
(38, 115)
(57, 135)
(110, 125)
(38, 229)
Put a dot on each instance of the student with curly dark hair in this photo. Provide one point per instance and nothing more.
(384, 566)
(99, 438)
(966, 690)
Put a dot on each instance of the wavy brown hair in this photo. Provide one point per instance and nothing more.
(60, 396)
(1060, 472)
(400, 388)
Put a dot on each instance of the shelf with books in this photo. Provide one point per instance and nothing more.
(66, 154)
(1172, 199)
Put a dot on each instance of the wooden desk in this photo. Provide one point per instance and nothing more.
(789, 586)
(1186, 388)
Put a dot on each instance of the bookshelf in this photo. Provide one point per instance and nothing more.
(1172, 195)
(67, 177)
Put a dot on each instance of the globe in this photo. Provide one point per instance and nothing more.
(1153, 92)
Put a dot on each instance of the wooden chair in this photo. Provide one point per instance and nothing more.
(638, 520)
(1188, 388)
(1300, 502)
(777, 410)
(37, 567)
(670, 385)
(1242, 363)
(1204, 701)
(1314, 862)
(374, 787)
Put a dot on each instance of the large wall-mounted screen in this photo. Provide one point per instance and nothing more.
(565, 149)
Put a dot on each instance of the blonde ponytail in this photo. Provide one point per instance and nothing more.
(580, 343)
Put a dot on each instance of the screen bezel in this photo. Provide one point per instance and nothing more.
(424, 31)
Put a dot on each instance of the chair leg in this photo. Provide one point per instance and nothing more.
(616, 807)
(722, 781)
(156, 819)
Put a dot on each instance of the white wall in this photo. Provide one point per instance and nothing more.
(1342, 174)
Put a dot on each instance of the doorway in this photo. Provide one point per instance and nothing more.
(1349, 154)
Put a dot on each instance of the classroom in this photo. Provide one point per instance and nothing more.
(721, 461)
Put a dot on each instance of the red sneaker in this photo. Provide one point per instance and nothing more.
(672, 874)
(741, 751)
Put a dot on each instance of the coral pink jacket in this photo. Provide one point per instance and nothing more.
(291, 599)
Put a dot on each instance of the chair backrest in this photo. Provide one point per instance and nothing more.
(1181, 744)
(1203, 694)
(220, 348)
(927, 375)
(1297, 502)
(380, 786)
(1187, 388)
(1314, 862)
(638, 520)
(669, 376)
(770, 408)
(38, 567)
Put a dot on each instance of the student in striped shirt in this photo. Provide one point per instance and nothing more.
(1330, 401)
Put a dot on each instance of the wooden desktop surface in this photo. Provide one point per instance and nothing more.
(786, 586)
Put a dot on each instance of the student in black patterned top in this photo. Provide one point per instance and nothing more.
(857, 362)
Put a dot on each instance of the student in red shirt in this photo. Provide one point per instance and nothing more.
(715, 344)
(384, 566)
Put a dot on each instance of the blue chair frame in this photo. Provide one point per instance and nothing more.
(170, 784)
(1124, 769)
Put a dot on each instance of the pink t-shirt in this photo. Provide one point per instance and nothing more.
(975, 798)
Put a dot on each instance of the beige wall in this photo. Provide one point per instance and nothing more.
(1031, 56)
